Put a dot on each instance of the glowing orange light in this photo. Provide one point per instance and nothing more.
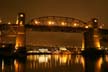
(83, 62)
(95, 20)
(17, 21)
(75, 24)
(9, 22)
(50, 22)
(98, 64)
(86, 27)
(36, 22)
(97, 43)
(21, 15)
(106, 58)
(3, 65)
(56, 57)
(3, 46)
(63, 23)
(16, 65)
(19, 42)
(63, 60)
(82, 44)
(0, 21)
(100, 27)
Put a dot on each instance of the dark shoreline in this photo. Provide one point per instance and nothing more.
(9, 52)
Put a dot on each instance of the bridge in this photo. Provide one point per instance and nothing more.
(92, 31)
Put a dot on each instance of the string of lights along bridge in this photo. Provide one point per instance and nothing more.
(58, 21)
(62, 21)
(92, 31)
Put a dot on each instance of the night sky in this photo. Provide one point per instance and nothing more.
(80, 9)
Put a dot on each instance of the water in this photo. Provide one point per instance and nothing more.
(55, 63)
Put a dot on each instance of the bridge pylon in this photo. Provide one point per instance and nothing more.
(20, 36)
(91, 37)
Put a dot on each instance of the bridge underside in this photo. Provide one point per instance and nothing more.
(43, 28)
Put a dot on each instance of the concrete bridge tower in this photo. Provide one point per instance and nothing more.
(91, 37)
(20, 37)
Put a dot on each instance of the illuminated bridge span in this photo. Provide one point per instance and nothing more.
(91, 30)
(57, 24)
(58, 21)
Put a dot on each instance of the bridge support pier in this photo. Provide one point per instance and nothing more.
(20, 37)
(92, 40)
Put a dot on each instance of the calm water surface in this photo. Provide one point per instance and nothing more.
(55, 63)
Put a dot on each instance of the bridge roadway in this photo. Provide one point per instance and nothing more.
(42, 28)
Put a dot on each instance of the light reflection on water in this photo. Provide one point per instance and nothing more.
(55, 63)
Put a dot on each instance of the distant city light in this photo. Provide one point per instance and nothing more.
(102, 24)
(9, 22)
(43, 50)
(3, 46)
(63, 48)
(82, 49)
(100, 27)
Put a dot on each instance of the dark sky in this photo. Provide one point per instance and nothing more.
(80, 9)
